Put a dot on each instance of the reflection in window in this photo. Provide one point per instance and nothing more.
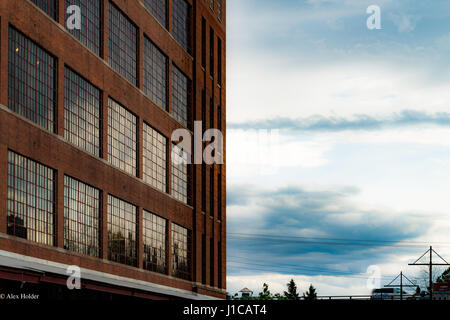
(219, 10)
(122, 44)
(179, 174)
(89, 34)
(81, 112)
(154, 152)
(122, 231)
(32, 74)
(180, 96)
(81, 217)
(159, 9)
(31, 200)
(155, 242)
(181, 23)
(155, 74)
(122, 140)
(48, 6)
(181, 252)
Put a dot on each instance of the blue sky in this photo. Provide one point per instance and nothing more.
(335, 132)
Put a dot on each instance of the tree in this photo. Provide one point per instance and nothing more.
(291, 293)
(444, 277)
(265, 294)
(310, 294)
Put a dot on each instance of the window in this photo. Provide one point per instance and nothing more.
(81, 217)
(31, 200)
(203, 42)
(122, 138)
(211, 192)
(219, 263)
(181, 252)
(211, 4)
(155, 74)
(48, 6)
(180, 97)
(122, 231)
(219, 61)
(91, 13)
(211, 52)
(181, 23)
(203, 259)
(219, 196)
(155, 242)
(159, 9)
(179, 174)
(219, 10)
(122, 44)
(204, 187)
(81, 112)
(211, 262)
(32, 80)
(154, 152)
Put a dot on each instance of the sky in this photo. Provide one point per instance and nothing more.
(338, 142)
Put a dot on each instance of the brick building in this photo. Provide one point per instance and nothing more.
(86, 177)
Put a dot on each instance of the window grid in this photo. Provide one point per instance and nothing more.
(181, 23)
(181, 252)
(31, 200)
(158, 8)
(180, 97)
(122, 138)
(154, 156)
(48, 6)
(32, 80)
(122, 231)
(155, 242)
(90, 32)
(122, 44)
(155, 74)
(81, 217)
(180, 179)
(82, 105)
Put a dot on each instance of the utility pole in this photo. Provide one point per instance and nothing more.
(430, 264)
(402, 285)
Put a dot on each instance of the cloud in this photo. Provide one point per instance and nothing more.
(290, 230)
(404, 22)
(357, 122)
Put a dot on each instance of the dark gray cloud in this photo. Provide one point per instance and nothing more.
(357, 122)
(322, 230)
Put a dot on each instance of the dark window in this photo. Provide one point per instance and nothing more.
(219, 196)
(181, 23)
(122, 231)
(81, 217)
(154, 153)
(204, 187)
(219, 117)
(155, 242)
(32, 84)
(211, 112)
(203, 42)
(91, 13)
(122, 138)
(122, 44)
(181, 252)
(219, 61)
(219, 263)
(159, 9)
(31, 200)
(81, 112)
(180, 176)
(180, 96)
(48, 6)
(211, 262)
(211, 52)
(155, 74)
(203, 259)
(211, 192)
